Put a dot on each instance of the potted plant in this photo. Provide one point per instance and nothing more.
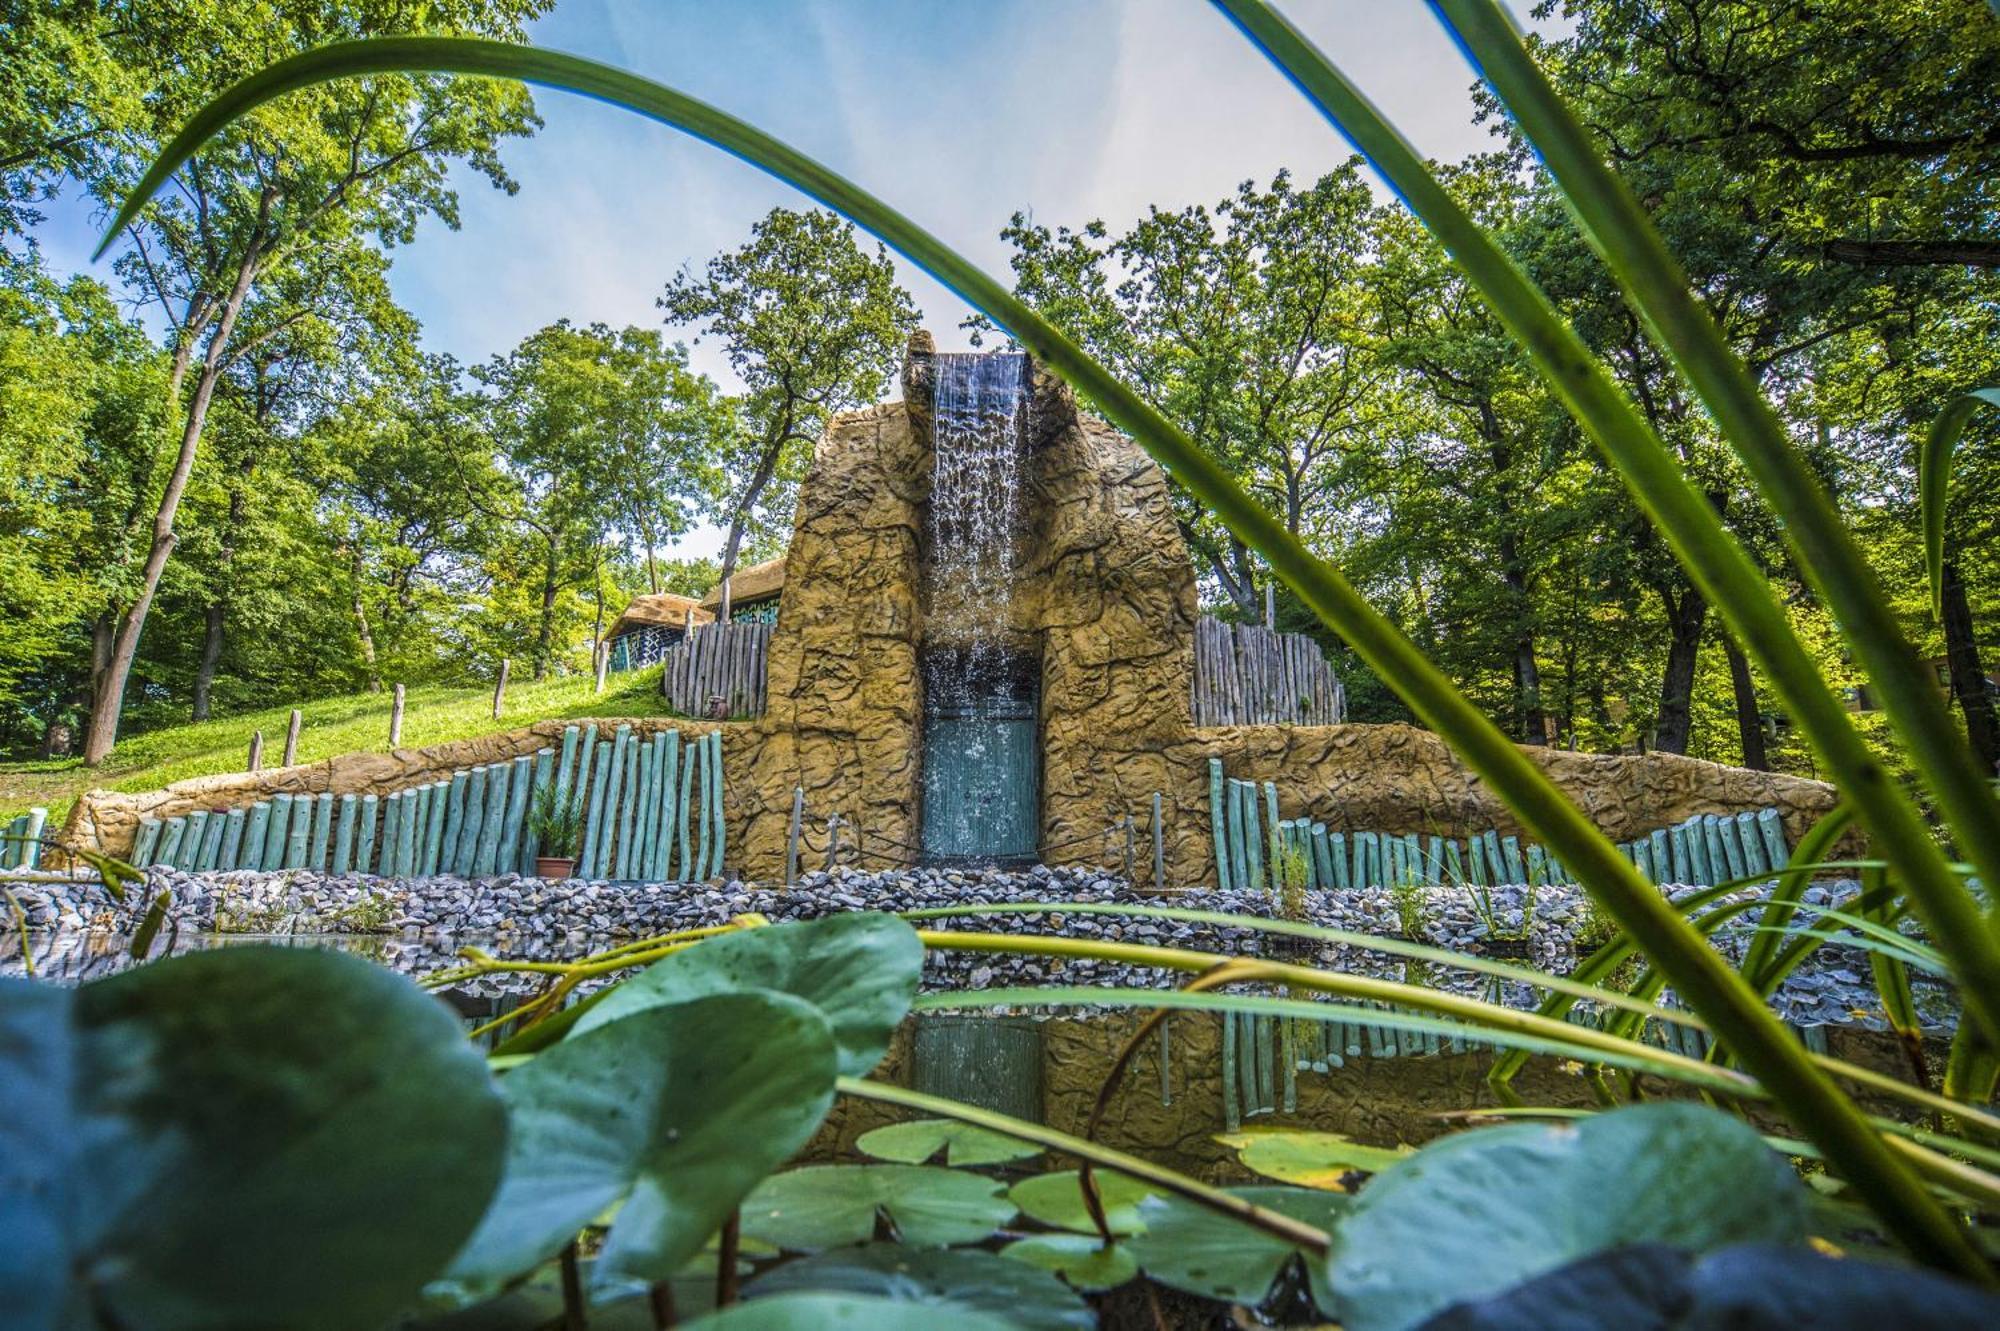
(556, 819)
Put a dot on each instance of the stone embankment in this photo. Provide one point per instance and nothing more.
(418, 925)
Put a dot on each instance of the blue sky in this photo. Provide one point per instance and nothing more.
(958, 112)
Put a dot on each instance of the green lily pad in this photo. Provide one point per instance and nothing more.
(1190, 1247)
(860, 969)
(1754, 1287)
(917, 1141)
(1476, 1213)
(952, 1280)
(1057, 1201)
(829, 1206)
(252, 1136)
(677, 1111)
(1308, 1159)
(839, 1312)
(1080, 1259)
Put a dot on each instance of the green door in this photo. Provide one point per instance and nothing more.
(981, 763)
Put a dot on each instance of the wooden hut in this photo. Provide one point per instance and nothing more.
(650, 625)
(754, 593)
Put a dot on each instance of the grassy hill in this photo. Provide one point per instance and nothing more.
(332, 726)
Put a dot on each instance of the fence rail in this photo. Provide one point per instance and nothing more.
(1248, 675)
(652, 813)
(1252, 841)
(719, 665)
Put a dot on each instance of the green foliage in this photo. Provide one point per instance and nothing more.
(1481, 1211)
(948, 1281)
(1190, 1248)
(820, 1312)
(556, 819)
(1057, 1201)
(120, 1098)
(830, 1206)
(918, 1141)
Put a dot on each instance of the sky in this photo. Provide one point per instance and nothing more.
(957, 112)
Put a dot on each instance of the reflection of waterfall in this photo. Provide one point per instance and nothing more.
(977, 435)
(979, 696)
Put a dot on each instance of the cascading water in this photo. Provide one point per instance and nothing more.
(980, 755)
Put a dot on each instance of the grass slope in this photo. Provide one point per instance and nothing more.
(332, 726)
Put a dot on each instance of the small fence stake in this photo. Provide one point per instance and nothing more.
(832, 840)
(292, 737)
(396, 719)
(1159, 876)
(500, 687)
(603, 654)
(256, 761)
(792, 838)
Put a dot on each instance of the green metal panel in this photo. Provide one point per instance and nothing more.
(980, 779)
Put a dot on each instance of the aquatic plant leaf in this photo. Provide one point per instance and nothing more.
(1201, 1252)
(252, 1136)
(1309, 1159)
(947, 1280)
(677, 1112)
(1474, 1213)
(1057, 1201)
(1081, 1259)
(840, 1312)
(859, 969)
(1754, 1287)
(830, 1206)
(917, 1141)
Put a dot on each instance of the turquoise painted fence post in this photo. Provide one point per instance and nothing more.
(414, 801)
(1732, 851)
(392, 827)
(454, 819)
(1711, 838)
(471, 817)
(545, 773)
(1218, 824)
(10, 851)
(1752, 841)
(343, 834)
(1697, 839)
(322, 831)
(1323, 857)
(1771, 828)
(364, 840)
(600, 777)
(437, 800)
(604, 831)
(255, 830)
(1336, 849)
(630, 821)
(1232, 1109)
(1271, 831)
(569, 778)
(1239, 860)
(29, 855)
(662, 869)
(1538, 866)
(211, 841)
(1253, 836)
(1366, 875)
(721, 822)
(688, 763)
(635, 861)
(702, 821)
(170, 842)
(190, 847)
(507, 855)
(486, 855)
(231, 853)
(1511, 850)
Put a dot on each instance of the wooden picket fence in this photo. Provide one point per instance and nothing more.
(1252, 840)
(1248, 675)
(719, 661)
(652, 813)
(22, 847)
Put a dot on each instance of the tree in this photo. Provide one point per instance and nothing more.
(345, 160)
(813, 325)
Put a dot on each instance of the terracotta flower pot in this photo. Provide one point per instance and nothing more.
(554, 866)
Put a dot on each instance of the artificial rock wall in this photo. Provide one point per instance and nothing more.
(1106, 597)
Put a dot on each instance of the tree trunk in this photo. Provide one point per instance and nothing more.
(1685, 620)
(1749, 717)
(110, 701)
(211, 654)
(1968, 676)
(367, 636)
(546, 632)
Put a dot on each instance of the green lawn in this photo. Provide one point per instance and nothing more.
(332, 726)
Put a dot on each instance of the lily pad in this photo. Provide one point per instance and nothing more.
(829, 1206)
(917, 1141)
(253, 1136)
(1474, 1214)
(1193, 1248)
(839, 1312)
(1748, 1288)
(676, 1111)
(1057, 1201)
(1080, 1259)
(1308, 1159)
(860, 969)
(946, 1280)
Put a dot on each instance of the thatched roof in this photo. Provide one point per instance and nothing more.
(756, 583)
(668, 608)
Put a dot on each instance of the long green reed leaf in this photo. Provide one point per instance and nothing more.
(1934, 479)
(1709, 986)
(1656, 287)
(1806, 859)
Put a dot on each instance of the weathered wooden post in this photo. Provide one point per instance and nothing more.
(396, 719)
(832, 841)
(256, 760)
(1125, 822)
(292, 737)
(792, 837)
(1271, 606)
(500, 687)
(1159, 857)
(602, 653)
(722, 611)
